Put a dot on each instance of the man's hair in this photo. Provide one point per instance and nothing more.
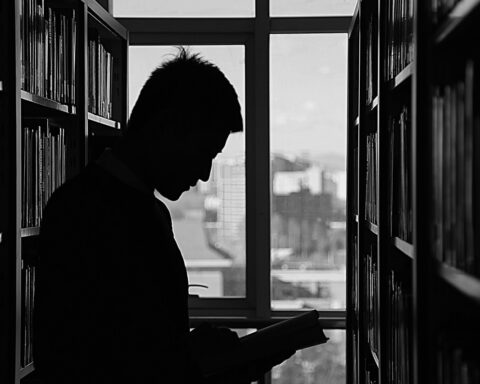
(194, 90)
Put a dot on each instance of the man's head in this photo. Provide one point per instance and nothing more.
(182, 118)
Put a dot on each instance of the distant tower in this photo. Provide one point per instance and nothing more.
(230, 186)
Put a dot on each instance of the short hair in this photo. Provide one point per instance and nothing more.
(192, 89)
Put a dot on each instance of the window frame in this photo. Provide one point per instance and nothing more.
(254, 309)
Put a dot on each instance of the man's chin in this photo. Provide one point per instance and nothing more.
(172, 195)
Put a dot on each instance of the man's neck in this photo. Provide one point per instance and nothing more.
(135, 160)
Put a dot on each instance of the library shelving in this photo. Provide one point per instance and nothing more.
(414, 174)
(63, 93)
(7, 267)
(381, 251)
(453, 140)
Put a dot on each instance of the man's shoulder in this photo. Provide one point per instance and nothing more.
(83, 182)
(81, 190)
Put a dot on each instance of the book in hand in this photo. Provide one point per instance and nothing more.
(289, 335)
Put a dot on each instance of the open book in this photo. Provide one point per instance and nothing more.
(290, 335)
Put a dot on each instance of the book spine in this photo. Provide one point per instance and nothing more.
(399, 331)
(399, 29)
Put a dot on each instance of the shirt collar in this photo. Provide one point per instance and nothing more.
(117, 168)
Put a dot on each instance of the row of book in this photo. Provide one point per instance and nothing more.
(371, 377)
(43, 167)
(100, 77)
(355, 277)
(457, 365)
(399, 332)
(355, 357)
(456, 170)
(401, 214)
(355, 180)
(371, 61)
(371, 179)
(28, 294)
(48, 51)
(399, 36)
(370, 273)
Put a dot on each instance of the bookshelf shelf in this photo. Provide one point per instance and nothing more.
(465, 283)
(403, 77)
(25, 371)
(459, 16)
(372, 227)
(403, 246)
(47, 103)
(374, 356)
(29, 232)
(373, 105)
(103, 121)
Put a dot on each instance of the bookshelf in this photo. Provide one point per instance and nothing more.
(6, 215)
(413, 174)
(381, 250)
(453, 138)
(48, 133)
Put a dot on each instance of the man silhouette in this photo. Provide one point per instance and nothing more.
(112, 289)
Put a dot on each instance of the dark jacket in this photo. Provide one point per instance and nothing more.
(111, 287)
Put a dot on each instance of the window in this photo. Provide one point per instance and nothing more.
(290, 74)
(308, 150)
(312, 8)
(324, 364)
(183, 8)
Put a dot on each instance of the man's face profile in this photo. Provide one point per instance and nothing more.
(189, 159)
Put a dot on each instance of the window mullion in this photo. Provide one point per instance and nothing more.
(258, 141)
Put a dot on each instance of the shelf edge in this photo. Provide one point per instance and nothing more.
(374, 104)
(404, 75)
(31, 231)
(47, 103)
(25, 371)
(104, 121)
(372, 227)
(462, 281)
(374, 356)
(406, 248)
(455, 19)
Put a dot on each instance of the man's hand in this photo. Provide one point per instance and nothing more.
(208, 342)
(253, 371)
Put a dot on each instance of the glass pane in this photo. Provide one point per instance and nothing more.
(184, 8)
(308, 149)
(312, 8)
(209, 219)
(324, 363)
